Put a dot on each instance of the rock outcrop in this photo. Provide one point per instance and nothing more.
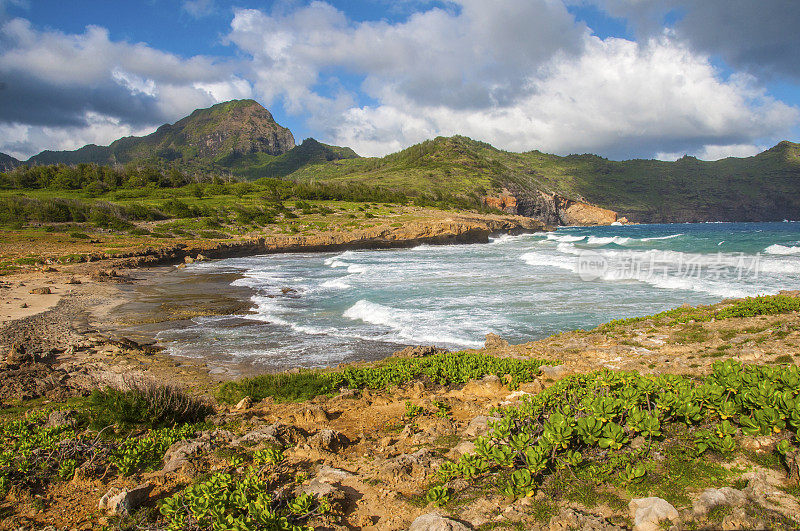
(451, 230)
(553, 209)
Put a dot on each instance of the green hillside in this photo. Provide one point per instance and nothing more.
(241, 139)
(763, 187)
(255, 166)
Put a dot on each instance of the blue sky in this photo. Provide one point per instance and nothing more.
(621, 78)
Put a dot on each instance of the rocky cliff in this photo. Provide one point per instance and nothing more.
(552, 209)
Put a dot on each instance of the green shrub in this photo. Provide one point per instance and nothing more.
(228, 501)
(765, 305)
(443, 368)
(79, 235)
(145, 404)
(749, 307)
(145, 453)
(588, 422)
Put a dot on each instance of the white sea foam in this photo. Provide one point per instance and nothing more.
(335, 283)
(267, 310)
(605, 240)
(782, 249)
(673, 270)
(549, 260)
(341, 256)
(407, 325)
(564, 237)
(506, 238)
(662, 237)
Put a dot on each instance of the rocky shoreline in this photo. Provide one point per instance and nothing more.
(74, 327)
(455, 229)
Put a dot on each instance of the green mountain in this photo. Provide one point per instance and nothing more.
(7, 162)
(207, 136)
(239, 137)
(759, 188)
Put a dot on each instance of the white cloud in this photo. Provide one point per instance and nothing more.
(617, 97)
(470, 57)
(58, 84)
(21, 141)
(520, 74)
(199, 8)
(524, 75)
(712, 152)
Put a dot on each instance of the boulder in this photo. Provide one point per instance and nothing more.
(710, 498)
(553, 371)
(125, 502)
(648, 513)
(489, 386)
(178, 455)
(765, 487)
(40, 291)
(462, 448)
(328, 440)
(479, 426)
(493, 341)
(62, 417)
(330, 474)
(436, 522)
(315, 414)
(244, 403)
(758, 443)
(17, 355)
(278, 434)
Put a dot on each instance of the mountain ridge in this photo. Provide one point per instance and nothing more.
(241, 138)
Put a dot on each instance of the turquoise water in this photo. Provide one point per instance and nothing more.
(322, 309)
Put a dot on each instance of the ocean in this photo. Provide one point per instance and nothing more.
(323, 309)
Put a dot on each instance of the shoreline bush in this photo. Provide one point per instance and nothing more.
(443, 368)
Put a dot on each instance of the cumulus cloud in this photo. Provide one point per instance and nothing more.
(520, 74)
(757, 36)
(471, 57)
(524, 75)
(62, 82)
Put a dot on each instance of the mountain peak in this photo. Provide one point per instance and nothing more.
(227, 129)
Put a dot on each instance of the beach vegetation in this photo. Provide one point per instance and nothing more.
(447, 368)
(747, 307)
(145, 404)
(587, 424)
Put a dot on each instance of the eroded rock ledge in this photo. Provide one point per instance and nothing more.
(456, 229)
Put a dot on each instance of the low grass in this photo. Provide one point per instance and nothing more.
(748, 307)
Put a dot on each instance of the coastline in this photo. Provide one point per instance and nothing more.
(76, 324)
(455, 228)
